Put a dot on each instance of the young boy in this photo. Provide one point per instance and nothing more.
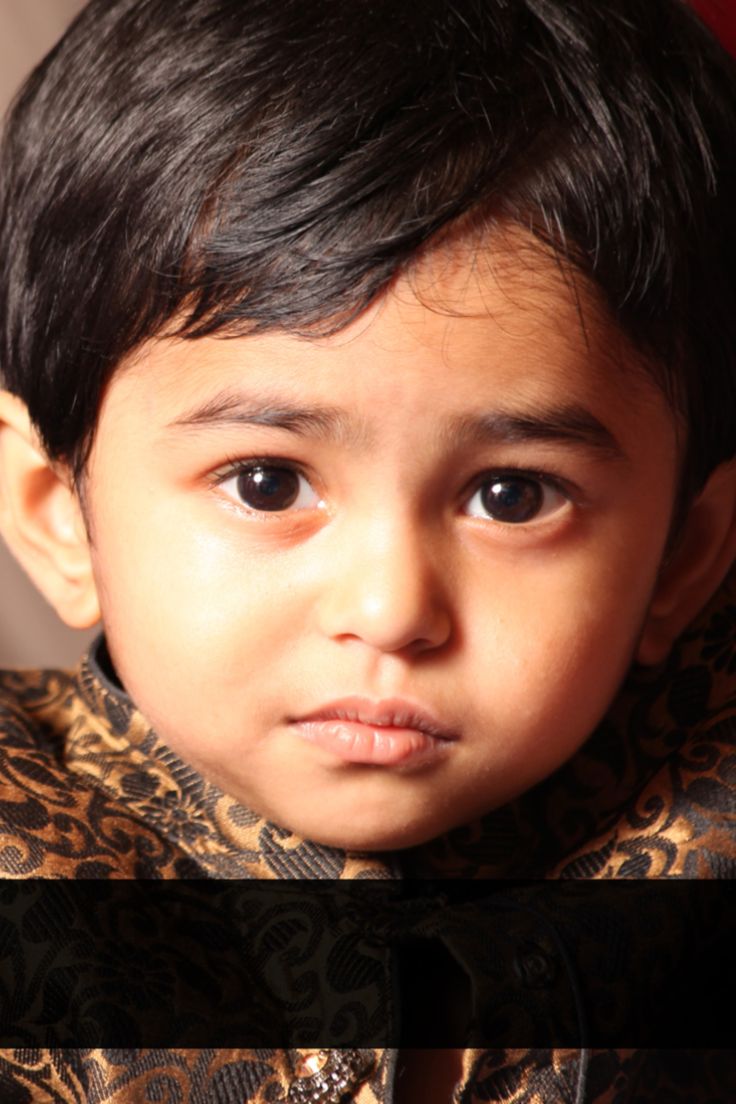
(370, 377)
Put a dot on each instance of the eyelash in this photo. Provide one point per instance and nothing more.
(549, 482)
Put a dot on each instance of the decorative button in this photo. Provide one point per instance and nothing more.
(328, 1076)
(534, 967)
(311, 1063)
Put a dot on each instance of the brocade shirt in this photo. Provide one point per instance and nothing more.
(88, 791)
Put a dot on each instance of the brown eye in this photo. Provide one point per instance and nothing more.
(514, 499)
(266, 487)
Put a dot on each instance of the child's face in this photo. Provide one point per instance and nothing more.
(453, 510)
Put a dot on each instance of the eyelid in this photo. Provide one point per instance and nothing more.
(234, 465)
(555, 480)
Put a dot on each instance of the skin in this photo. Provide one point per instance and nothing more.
(387, 577)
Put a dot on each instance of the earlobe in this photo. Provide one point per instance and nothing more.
(41, 519)
(702, 558)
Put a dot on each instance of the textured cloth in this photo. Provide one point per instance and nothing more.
(88, 791)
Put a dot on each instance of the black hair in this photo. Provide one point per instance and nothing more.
(225, 166)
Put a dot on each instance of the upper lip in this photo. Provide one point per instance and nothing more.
(390, 712)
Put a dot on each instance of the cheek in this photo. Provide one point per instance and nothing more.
(553, 646)
(192, 607)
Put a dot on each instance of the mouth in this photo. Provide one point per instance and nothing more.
(392, 733)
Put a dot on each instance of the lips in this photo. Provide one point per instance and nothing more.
(384, 733)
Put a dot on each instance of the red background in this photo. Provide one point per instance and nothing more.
(720, 15)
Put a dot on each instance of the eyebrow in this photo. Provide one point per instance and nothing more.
(233, 409)
(569, 424)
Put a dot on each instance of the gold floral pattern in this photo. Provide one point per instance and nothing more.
(88, 791)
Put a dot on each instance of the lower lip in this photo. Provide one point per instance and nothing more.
(378, 745)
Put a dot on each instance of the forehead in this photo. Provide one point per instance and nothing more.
(504, 324)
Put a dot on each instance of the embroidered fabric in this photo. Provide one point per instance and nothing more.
(88, 791)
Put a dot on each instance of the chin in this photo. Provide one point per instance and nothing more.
(359, 837)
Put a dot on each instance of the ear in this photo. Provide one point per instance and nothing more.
(42, 521)
(701, 559)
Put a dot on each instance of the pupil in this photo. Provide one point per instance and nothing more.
(268, 488)
(512, 500)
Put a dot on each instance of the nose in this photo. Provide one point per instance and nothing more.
(387, 588)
